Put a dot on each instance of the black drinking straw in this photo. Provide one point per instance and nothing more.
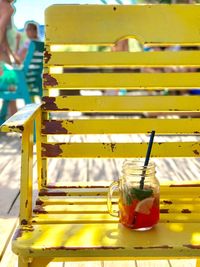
(147, 159)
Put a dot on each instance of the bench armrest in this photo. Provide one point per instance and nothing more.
(18, 121)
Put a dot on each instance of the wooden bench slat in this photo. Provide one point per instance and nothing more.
(72, 218)
(166, 216)
(179, 203)
(123, 126)
(183, 190)
(92, 208)
(64, 200)
(120, 150)
(99, 200)
(99, 238)
(108, 81)
(124, 59)
(122, 104)
(90, 218)
(119, 24)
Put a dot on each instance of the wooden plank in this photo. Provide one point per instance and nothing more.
(168, 169)
(182, 263)
(9, 189)
(9, 258)
(108, 81)
(85, 264)
(122, 104)
(9, 178)
(123, 126)
(56, 264)
(118, 23)
(7, 227)
(119, 264)
(9, 193)
(150, 263)
(119, 150)
(67, 169)
(124, 59)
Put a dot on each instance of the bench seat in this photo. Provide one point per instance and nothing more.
(74, 223)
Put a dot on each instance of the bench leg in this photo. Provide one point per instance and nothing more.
(38, 262)
(198, 263)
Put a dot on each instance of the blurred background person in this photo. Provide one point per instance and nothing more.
(8, 77)
(31, 31)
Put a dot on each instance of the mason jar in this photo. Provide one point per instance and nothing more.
(139, 195)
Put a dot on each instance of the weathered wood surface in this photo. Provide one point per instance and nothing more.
(77, 170)
(9, 188)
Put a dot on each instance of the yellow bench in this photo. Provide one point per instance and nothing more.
(56, 230)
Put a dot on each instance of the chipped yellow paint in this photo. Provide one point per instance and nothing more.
(187, 190)
(180, 22)
(125, 59)
(110, 81)
(123, 103)
(121, 126)
(79, 221)
(91, 208)
(106, 240)
(120, 150)
(18, 121)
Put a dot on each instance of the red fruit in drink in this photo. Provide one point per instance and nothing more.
(140, 214)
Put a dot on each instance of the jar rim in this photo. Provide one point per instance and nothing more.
(136, 168)
(139, 161)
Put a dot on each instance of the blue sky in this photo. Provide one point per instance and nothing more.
(34, 9)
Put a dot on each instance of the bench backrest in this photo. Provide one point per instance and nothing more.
(153, 25)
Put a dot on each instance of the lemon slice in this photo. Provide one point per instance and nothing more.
(145, 205)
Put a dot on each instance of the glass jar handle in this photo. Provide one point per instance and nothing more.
(114, 186)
